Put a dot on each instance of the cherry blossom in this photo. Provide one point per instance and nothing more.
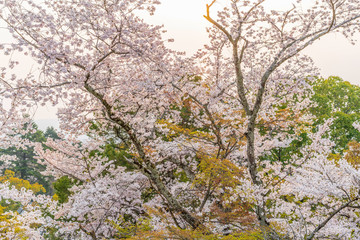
(196, 131)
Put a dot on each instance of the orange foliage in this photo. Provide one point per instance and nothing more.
(20, 183)
(353, 154)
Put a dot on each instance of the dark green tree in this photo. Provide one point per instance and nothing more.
(26, 166)
(51, 133)
(62, 186)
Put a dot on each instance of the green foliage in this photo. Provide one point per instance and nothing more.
(333, 98)
(148, 194)
(340, 100)
(118, 153)
(62, 186)
(285, 155)
(52, 234)
(51, 133)
(113, 150)
(127, 229)
(9, 205)
(145, 232)
(26, 166)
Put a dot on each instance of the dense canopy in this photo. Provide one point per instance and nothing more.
(231, 143)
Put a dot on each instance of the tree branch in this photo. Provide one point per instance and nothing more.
(321, 225)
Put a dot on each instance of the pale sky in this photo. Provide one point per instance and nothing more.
(184, 21)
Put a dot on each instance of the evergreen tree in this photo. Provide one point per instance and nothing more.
(51, 133)
(26, 166)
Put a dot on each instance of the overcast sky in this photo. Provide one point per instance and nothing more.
(184, 20)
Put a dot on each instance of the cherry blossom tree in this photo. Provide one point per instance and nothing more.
(195, 131)
(267, 47)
